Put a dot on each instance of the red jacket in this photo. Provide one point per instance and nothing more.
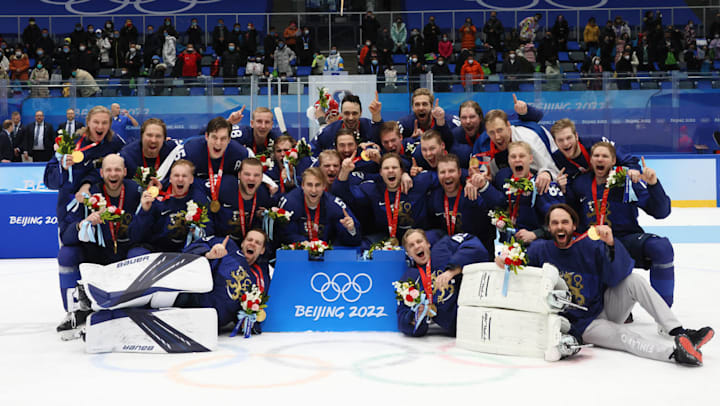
(190, 63)
(475, 70)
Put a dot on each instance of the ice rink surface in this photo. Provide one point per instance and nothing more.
(36, 367)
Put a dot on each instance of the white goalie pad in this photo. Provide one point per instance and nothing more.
(152, 331)
(532, 289)
(153, 279)
(511, 332)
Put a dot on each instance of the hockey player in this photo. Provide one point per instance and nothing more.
(572, 153)
(87, 238)
(96, 141)
(471, 126)
(599, 274)
(395, 211)
(453, 212)
(438, 272)
(243, 200)
(361, 128)
(391, 141)
(216, 149)
(347, 146)
(160, 226)
(260, 135)
(427, 114)
(501, 133)
(318, 215)
(279, 173)
(611, 206)
(151, 150)
(526, 209)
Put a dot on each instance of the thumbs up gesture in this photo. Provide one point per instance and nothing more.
(348, 222)
(218, 250)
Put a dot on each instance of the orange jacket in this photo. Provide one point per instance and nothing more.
(467, 37)
(289, 35)
(19, 67)
(475, 70)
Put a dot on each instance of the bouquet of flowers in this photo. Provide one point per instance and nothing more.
(315, 247)
(266, 160)
(407, 292)
(500, 220)
(97, 203)
(194, 215)
(279, 214)
(143, 175)
(513, 255)
(616, 178)
(512, 186)
(388, 244)
(64, 142)
(301, 150)
(252, 303)
(323, 97)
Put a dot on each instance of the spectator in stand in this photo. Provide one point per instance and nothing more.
(591, 36)
(441, 75)
(656, 42)
(318, 63)
(117, 51)
(375, 68)
(254, 66)
(30, 36)
(398, 33)
(65, 60)
(79, 35)
(41, 56)
(334, 62)
(634, 62)
(620, 46)
(129, 33)
(270, 41)
(364, 52)
(19, 65)
(462, 56)
(553, 74)
(188, 63)
(153, 44)
(621, 27)
(642, 52)
(689, 36)
(513, 66)
(290, 35)
(87, 59)
(676, 40)
(692, 61)
(493, 30)
(714, 27)
(417, 44)
(231, 61)
(385, 45)
(561, 32)
(623, 70)
(606, 52)
(45, 42)
(471, 70)
(85, 83)
(133, 60)
(3, 71)
(370, 28)
(608, 31)
(168, 27)
(651, 21)
(547, 51)
(416, 67)
(220, 37)
(195, 34)
(595, 73)
(284, 56)
(109, 28)
(236, 36)
(529, 52)
(445, 47)
(251, 39)
(306, 47)
(528, 27)
(168, 50)
(431, 33)
(103, 46)
(467, 34)
(39, 76)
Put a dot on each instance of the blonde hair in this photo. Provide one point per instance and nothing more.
(562, 124)
(493, 114)
(98, 110)
(520, 144)
(262, 110)
(316, 172)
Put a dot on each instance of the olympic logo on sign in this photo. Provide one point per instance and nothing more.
(70, 6)
(533, 3)
(340, 284)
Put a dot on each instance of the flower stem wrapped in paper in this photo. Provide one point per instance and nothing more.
(619, 178)
(65, 145)
(315, 248)
(501, 220)
(143, 176)
(253, 304)
(513, 258)
(194, 217)
(412, 296)
(270, 217)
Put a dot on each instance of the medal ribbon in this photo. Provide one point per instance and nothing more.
(602, 208)
(215, 184)
(392, 212)
(585, 155)
(259, 278)
(156, 165)
(313, 227)
(77, 146)
(450, 218)
(115, 225)
(241, 206)
(426, 277)
(254, 148)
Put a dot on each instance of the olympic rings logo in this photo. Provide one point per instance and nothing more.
(121, 4)
(533, 3)
(340, 284)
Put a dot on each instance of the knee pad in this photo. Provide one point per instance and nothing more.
(70, 256)
(659, 250)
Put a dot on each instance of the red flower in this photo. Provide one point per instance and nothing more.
(508, 261)
(58, 139)
(96, 206)
(243, 297)
(281, 211)
(118, 211)
(249, 304)
(196, 217)
(409, 298)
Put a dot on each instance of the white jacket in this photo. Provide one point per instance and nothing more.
(169, 54)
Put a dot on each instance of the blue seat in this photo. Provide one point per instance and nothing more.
(563, 56)
(231, 91)
(264, 91)
(304, 71)
(573, 46)
(572, 75)
(666, 84)
(399, 59)
(197, 91)
(704, 84)
(493, 87)
(241, 71)
(451, 66)
(527, 87)
(499, 57)
(205, 70)
(716, 65)
(458, 88)
(634, 85)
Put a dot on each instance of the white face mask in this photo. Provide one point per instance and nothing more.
(597, 62)
(627, 57)
(441, 63)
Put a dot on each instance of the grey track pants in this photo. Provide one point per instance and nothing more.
(609, 331)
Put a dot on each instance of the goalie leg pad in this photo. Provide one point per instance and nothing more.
(530, 290)
(152, 331)
(510, 332)
(154, 279)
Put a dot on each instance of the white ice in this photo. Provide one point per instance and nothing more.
(351, 368)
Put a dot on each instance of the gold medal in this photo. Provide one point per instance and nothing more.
(214, 206)
(78, 156)
(364, 155)
(593, 234)
(261, 315)
(394, 241)
(474, 162)
(154, 191)
(433, 310)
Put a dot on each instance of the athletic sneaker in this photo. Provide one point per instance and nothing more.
(70, 327)
(685, 352)
(700, 337)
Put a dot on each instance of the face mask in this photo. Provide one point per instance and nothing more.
(307, 32)
(18, 54)
(78, 29)
(149, 32)
(132, 50)
(441, 63)
(98, 35)
(66, 50)
(221, 24)
(74, 74)
(470, 61)
(231, 49)
(108, 26)
(3, 46)
(414, 60)
(82, 48)
(250, 27)
(367, 43)
(167, 23)
(511, 56)
(116, 35)
(44, 35)
(281, 46)
(39, 66)
(627, 57)
(236, 29)
(194, 24)
(165, 34)
(155, 61)
(40, 53)
(333, 52)
(191, 50)
(444, 38)
(32, 22)
(374, 61)
(597, 62)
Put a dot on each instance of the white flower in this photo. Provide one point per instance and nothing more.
(191, 207)
(189, 216)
